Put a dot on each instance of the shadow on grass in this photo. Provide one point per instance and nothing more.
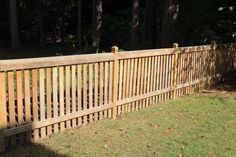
(228, 82)
(31, 150)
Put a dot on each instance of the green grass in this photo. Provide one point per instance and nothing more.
(201, 125)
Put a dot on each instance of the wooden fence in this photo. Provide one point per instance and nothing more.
(42, 96)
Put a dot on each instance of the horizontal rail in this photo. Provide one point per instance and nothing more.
(51, 121)
(31, 63)
(143, 96)
(145, 53)
(205, 47)
(196, 48)
(55, 120)
(198, 81)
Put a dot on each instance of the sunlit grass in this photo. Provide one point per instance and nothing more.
(199, 125)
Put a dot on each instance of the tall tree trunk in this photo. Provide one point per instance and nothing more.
(63, 26)
(135, 23)
(42, 32)
(79, 25)
(169, 19)
(15, 43)
(41, 12)
(63, 32)
(149, 36)
(97, 24)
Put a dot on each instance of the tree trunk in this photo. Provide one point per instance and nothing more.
(15, 43)
(135, 23)
(79, 25)
(169, 19)
(149, 36)
(63, 32)
(42, 32)
(97, 24)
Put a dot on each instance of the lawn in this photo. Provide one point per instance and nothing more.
(197, 125)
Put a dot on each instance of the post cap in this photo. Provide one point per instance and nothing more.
(114, 49)
(175, 45)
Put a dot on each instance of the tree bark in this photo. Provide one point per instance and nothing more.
(149, 36)
(63, 32)
(135, 23)
(15, 43)
(42, 32)
(79, 25)
(97, 25)
(169, 19)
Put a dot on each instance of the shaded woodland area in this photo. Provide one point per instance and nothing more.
(60, 27)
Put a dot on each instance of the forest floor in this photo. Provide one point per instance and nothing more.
(203, 124)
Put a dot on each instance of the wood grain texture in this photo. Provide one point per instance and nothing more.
(55, 96)
(35, 101)
(32, 63)
(114, 109)
(90, 91)
(27, 94)
(49, 97)
(115, 82)
(101, 88)
(95, 89)
(120, 84)
(79, 90)
(73, 93)
(42, 100)
(3, 110)
(19, 105)
(61, 96)
(85, 92)
(68, 95)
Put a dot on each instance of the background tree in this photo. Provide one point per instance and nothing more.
(169, 20)
(15, 43)
(97, 24)
(80, 35)
(62, 27)
(135, 23)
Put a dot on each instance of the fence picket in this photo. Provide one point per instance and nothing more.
(3, 110)
(28, 115)
(95, 89)
(73, 93)
(85, 103)
(42, 100)
(55, 96)
(61, 96)
(79, 90)
(90, 91)
(101, 88)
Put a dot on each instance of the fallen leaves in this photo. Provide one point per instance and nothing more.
(181, 155)
(179, 116)
(105, 146)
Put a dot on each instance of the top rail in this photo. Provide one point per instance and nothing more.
(31, 63)
(145, 53)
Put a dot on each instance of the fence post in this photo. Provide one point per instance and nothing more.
(3, 116)
(115, 80)
(175, 66)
